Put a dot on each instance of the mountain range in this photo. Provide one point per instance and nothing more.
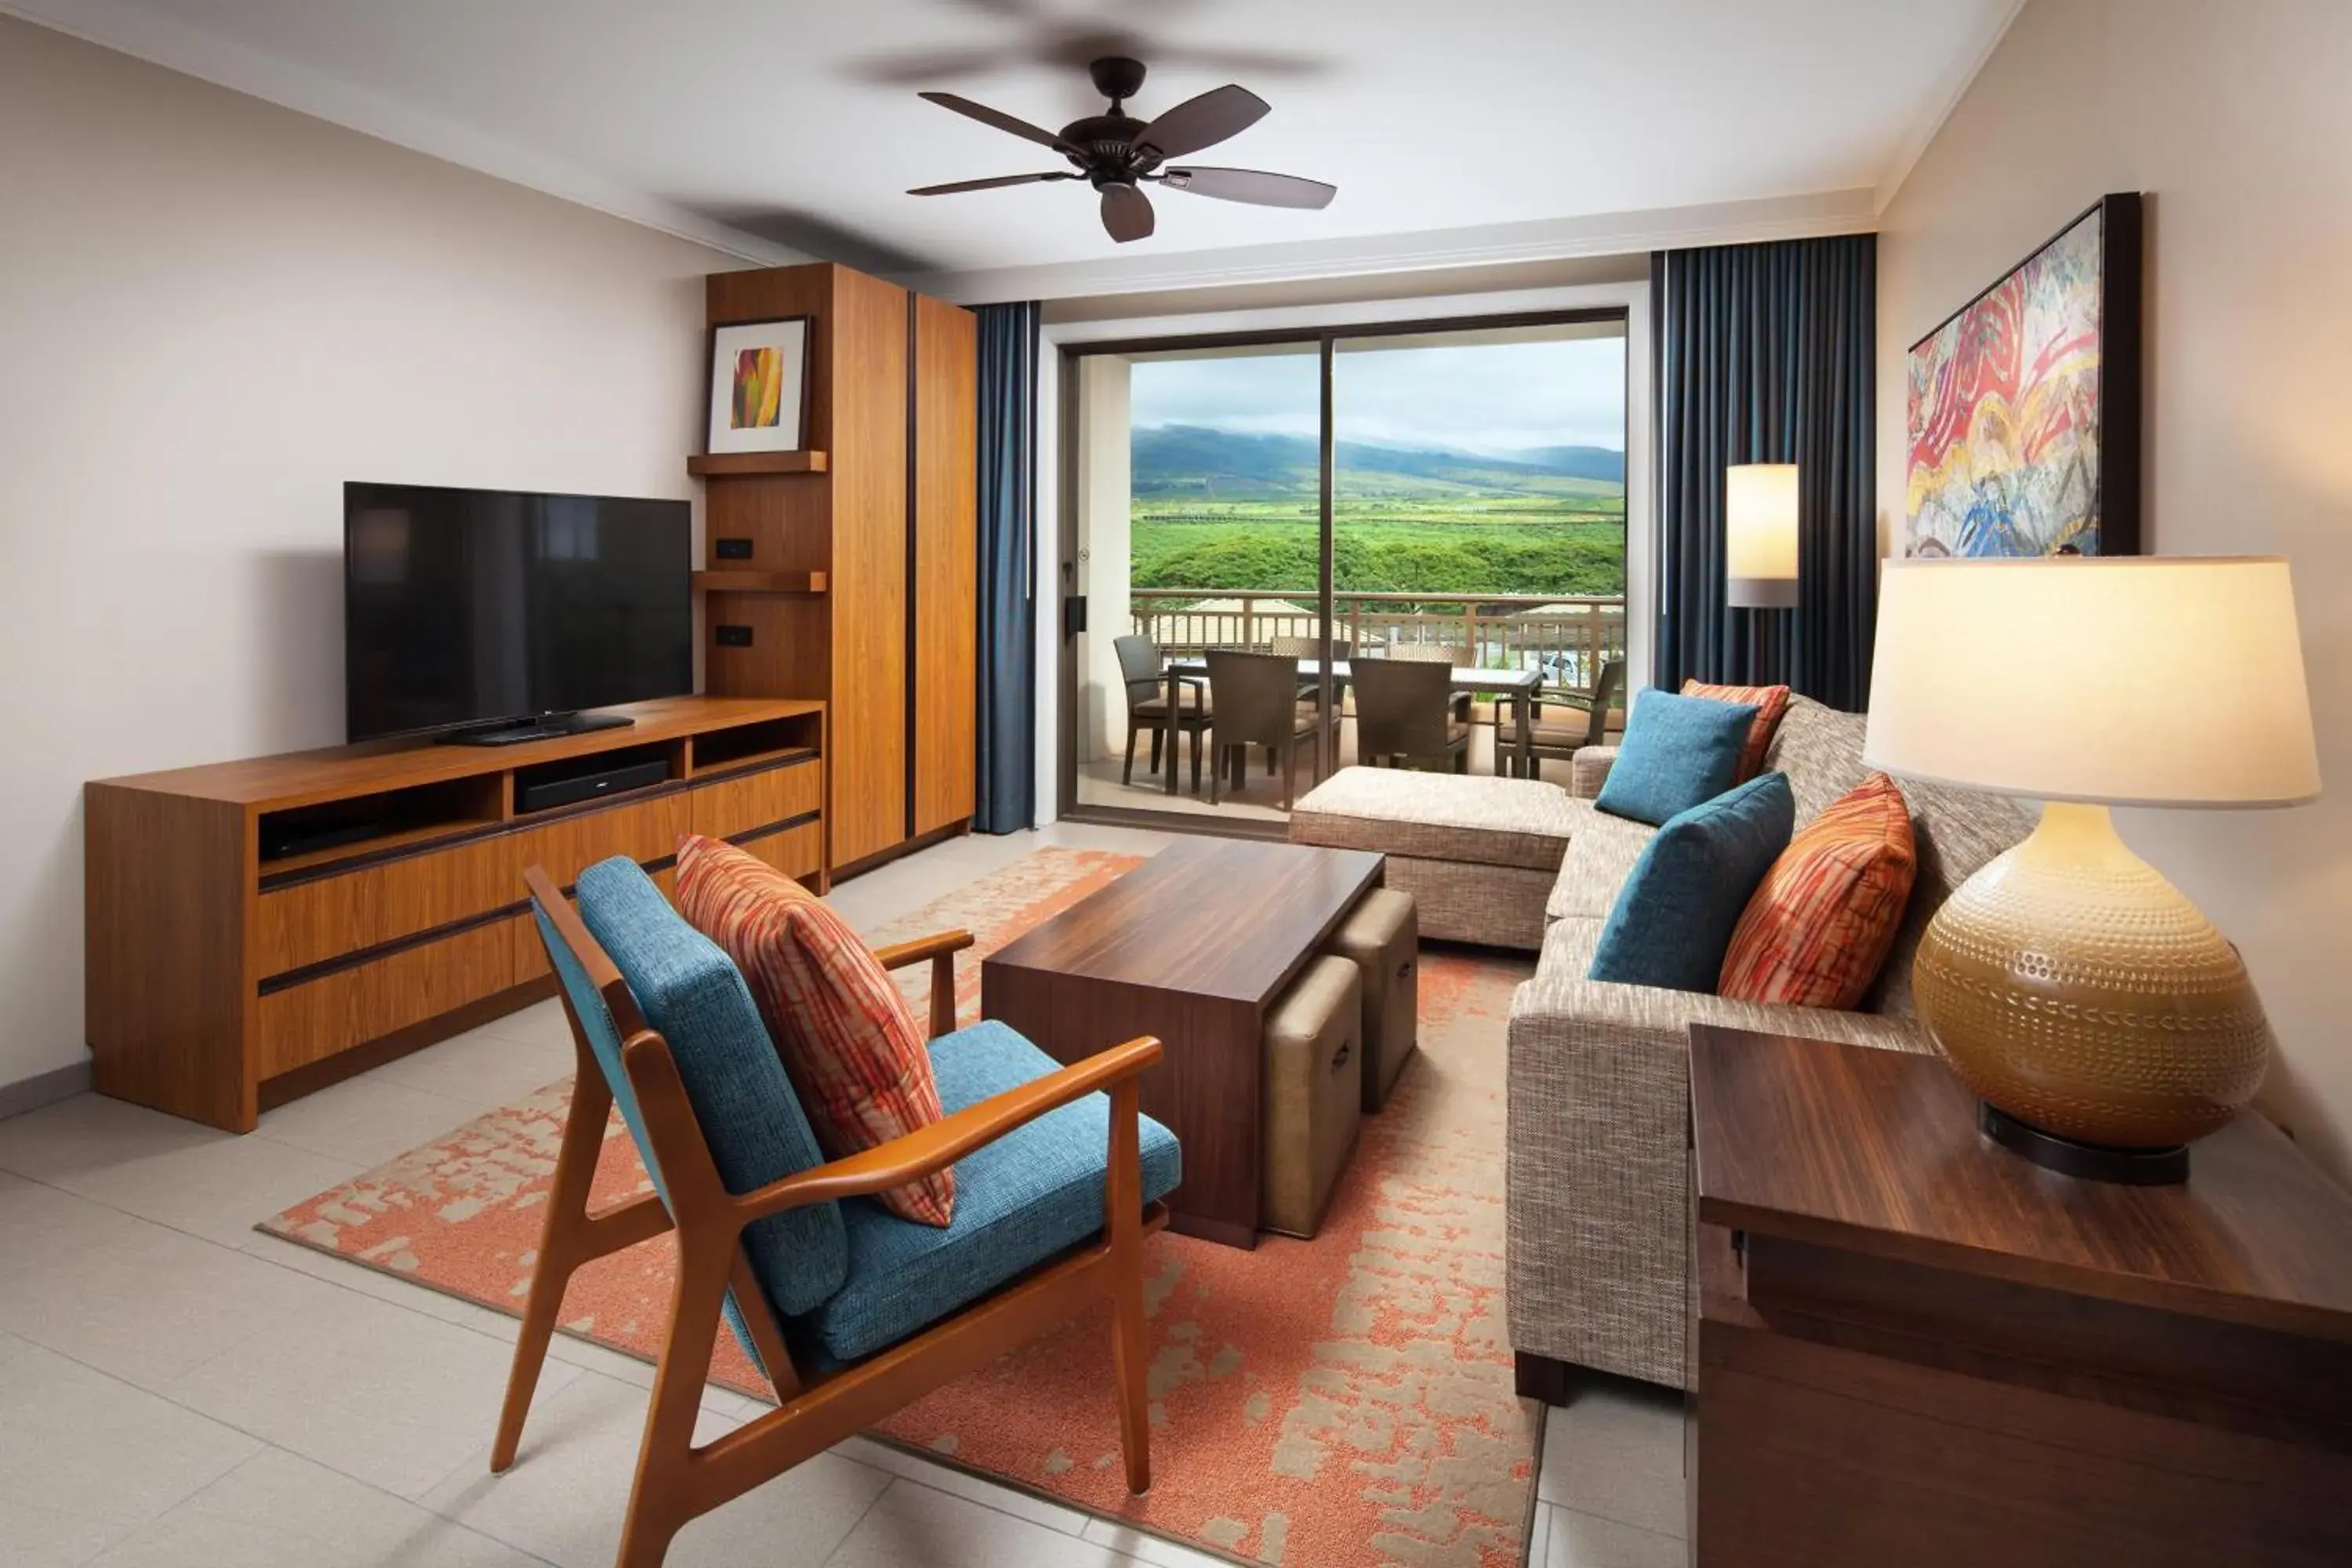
(1230, 465)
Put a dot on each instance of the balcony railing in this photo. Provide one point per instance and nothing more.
(1567, 639)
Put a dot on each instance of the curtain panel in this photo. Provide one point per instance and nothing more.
(1007, 675)
(1767, 354)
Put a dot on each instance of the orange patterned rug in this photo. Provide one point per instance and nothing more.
(1322, 1404)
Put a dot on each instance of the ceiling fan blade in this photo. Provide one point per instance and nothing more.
(1125, 213)
(1203, 121)
(1251, 185)
(999, 182)
(1003, 121)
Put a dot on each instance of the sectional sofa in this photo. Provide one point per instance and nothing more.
(1598, 1077)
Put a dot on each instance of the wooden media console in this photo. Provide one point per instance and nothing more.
(256, 929)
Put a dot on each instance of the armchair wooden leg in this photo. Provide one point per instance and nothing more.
(1127, 766)
(1130, 1351)
(560, 1250)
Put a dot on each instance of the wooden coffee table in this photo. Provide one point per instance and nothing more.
(1192, 946)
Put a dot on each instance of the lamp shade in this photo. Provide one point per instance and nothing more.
(1759, 536)
(2122, 680)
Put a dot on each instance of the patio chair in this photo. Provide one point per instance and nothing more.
(1433, 653)
(1255, 696)
(848, 1310)
(1590, 728)
(1403, 714)
(1310, 688)
(1144, 668)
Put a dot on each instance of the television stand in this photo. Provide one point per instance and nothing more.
(546, 727)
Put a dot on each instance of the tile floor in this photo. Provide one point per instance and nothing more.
(177, 1390)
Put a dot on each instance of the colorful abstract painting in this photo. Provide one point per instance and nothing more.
(759, 389)
(759, 378)
(2007, 428)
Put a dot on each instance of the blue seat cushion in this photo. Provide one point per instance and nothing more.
(692, 994)
(1678, 752)
(1676, 914)
(1019, 1200)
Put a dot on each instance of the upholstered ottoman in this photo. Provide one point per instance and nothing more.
(1314, 1093)
(1478, 854)
(1382, 937)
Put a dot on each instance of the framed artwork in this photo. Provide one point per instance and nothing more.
(2025, 405)
(759, 387)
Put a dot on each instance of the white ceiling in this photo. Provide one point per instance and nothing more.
(796, 121)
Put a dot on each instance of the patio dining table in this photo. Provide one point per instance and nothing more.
(1519, 686)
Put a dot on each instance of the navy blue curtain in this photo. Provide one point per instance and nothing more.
(1008, 567)
(1767, 354)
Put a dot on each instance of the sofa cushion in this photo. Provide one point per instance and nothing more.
(1598, 861)
(1770, 704)
(1441, 816)
(1019, 1200)
(751, 1119)
(1678, 752)
(1674, 916)
(1954, 831)
(1820, 923)
(849, 1042)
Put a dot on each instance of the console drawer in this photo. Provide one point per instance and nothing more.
(312, 921)
(307, 1022)
(735, 806)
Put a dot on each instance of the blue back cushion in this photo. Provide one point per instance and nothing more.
(604, 1040)
(1674, 915)
(692, 994)
(1678, 752)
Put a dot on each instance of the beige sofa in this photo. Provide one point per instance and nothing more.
(1599, 1085)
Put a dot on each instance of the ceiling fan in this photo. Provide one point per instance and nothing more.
(1118, 155)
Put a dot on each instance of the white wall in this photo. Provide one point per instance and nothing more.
(213, 312)
(2236, 121)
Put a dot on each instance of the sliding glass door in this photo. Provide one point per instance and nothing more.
(1450, 494)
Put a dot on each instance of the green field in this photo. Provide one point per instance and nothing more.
(1518, 545)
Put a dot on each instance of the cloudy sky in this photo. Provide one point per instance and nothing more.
(1495, 397)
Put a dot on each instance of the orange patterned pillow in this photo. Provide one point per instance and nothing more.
(1771, 701)
(1821, 922)
(848, 1038)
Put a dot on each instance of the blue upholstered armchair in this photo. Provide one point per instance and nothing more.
(847, 1310)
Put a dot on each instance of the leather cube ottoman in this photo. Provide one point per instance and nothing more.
(1314, 1093)
(1382, 936)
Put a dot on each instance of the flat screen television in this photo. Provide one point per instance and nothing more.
(473, 610)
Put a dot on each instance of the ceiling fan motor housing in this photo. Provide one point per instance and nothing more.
(1117, 78)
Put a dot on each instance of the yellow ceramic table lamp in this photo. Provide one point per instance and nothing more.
(2102, 1020)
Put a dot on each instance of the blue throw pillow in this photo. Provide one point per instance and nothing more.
(1678, 752)
(1674, 914)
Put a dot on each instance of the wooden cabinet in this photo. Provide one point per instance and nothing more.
(233, 965)
(847, 572)
(945, 600)
(1915, 1347)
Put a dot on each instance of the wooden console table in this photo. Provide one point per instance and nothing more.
(1192, 946)
(1915, 1347)
(257, 929)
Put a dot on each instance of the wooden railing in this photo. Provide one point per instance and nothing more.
(1567, 639)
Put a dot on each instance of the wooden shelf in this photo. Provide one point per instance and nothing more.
(759, 582)
(747, 760)
(730, 465)
(416, 838)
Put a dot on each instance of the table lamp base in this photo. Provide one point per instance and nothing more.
(2091, 1161)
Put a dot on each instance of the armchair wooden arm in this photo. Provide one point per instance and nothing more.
(941, 948)
(943, 1142)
